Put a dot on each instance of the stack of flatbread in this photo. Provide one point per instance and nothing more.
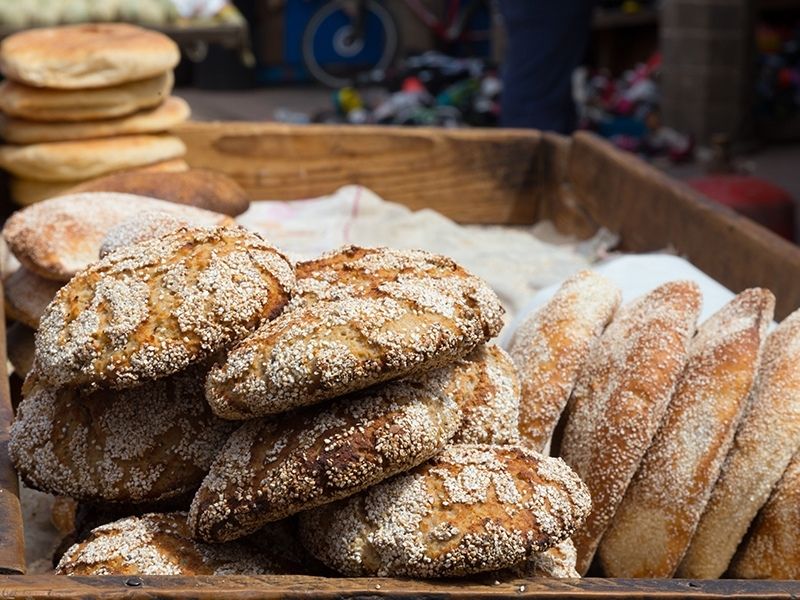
(82, 101)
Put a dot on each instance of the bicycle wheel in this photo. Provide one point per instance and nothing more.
(334, 56)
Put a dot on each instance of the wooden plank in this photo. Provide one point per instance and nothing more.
(286, 587)
(12, 541)
(472, 176)
(651, 211)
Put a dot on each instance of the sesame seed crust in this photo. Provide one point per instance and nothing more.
(771, 549)
(58, 237)
(143, 444)
(399, 323)
(767, 438)
(486, 387)
(558, 561)
(150, 310)
(656, 519)
(274, 467)
(621, 396)
(470, 509)
(27, 296)
(146, 226)
(161, 544)
(550, 347)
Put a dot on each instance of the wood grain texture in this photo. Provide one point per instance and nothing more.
(321, 588)
(650, 211)
(472, 176)
(12, 545)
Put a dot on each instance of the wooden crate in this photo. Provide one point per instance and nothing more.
(472, 176)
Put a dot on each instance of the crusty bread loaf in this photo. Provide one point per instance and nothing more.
(161, 117)
(25, 192)
(486, 387)
(20, 348)
(80, 159)
(45, 106)
(27, 295)
(274, 467)
(771, 549)
(408, 323)
(470, 509)
(145, 444)
(558, 561)
(161, 544)
(196, 187)
(89, 55)
(150, 310)
(654, 524)
(765, 441)
(143, 227)
(550, 347)
(57, 238)
(621, 396)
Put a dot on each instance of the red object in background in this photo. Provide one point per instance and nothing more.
(760, 200)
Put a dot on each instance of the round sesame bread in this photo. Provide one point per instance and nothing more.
(61, 236)
(771, 549)
(171, 112)
(550, 347)
(408, 324)
(472, 508)
(149, 310)
(20, 348)
(161, 544)
(77, 160)
(486, 387)
(621, 396)
(143, 227)
(35, 109)
(274, 467)
(25, 192)
(656, 519)
(89, 55)
(767, 438)
(196, 187)
(558, 561)
(139, 445)
(27, 295)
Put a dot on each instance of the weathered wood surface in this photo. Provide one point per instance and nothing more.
(472, 176)
(12, 544)
(651, 211)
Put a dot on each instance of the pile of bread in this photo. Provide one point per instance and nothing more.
(239, 411)
(80, 101)
(214, 408)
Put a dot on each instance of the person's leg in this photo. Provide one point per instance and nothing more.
(546, 41)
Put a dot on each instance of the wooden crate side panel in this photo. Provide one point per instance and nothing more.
(286, 586)
(651, 212)
(469, 176)
(12, 541)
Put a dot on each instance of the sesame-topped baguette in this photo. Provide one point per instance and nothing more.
(150, 310)
(410, 323)
(161, 544)
(771, 549)
(767, 438)
(550, 347)
(654, 524)
(274, 467)
(486, 387)
(621, 396)
(27, 296)
(472, 508)
(144, 444)
(58, 237)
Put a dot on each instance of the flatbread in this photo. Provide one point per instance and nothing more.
(166, 115)
(45, 104)
(82, 159)
(90, 55)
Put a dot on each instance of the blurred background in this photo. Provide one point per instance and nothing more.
(708, 90)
